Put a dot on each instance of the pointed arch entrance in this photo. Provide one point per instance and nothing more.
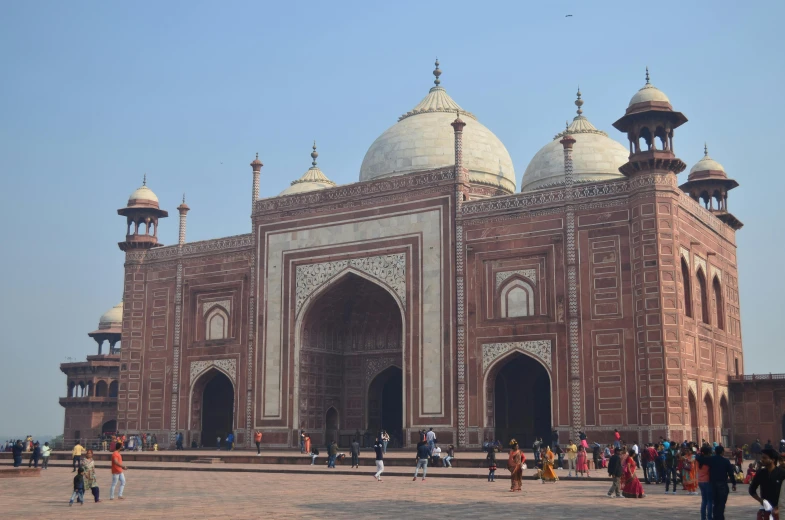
(518, 399)
(385, 404)
(212, 407)
(707, 416)
(348, 332)
(693, 417)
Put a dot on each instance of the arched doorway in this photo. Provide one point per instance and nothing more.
(349, 331)
(693, 417)
(213, 407)
(385, 404)
(707, 414)
(109, 426)
(520, 390)
(724, 422)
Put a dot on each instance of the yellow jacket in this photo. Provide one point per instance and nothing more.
(77, 451)
(572, 451)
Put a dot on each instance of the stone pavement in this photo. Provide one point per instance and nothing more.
(195, 494)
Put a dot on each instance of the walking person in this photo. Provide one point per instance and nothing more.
(17, 450)
(769, 480)
(257, 438)
(704, 484)
(631, 487)
(720, 471)
(615, 471)
(423, 452)
(491, 458)
(78, 493)
(76, 455)
(536, 448)
(35, 455)
(449, 457)
(378, 448)
(572, 455)
(515, 466)
(117, 472)
(90, 481)
(45, 452)
(582, 462)
(355, 451)
(332, 452)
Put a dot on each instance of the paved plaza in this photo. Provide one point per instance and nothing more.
(305, 494)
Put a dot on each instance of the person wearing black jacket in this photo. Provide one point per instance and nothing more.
(423, 452)
(615, 472)
(720, 470)
(768, 478)
(17, 453)
(378, 447)
(35, 455)
(355, 451)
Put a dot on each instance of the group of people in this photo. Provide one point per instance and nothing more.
(34, 448)
(85, 478)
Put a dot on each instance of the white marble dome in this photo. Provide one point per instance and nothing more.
(648, 93)
(595, 157)
(113, 318)
(423, 139)
(706, 164)
(143, 193)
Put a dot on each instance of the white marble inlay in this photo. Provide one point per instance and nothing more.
(541, 349)
(529, 274)
(228, 366)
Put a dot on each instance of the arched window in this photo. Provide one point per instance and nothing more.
(81, 389)
(100, 389)
(704, 296)
(517, 299)
(71, 389)
(216, 324)
(113, 389)
(717, 288)
(685, 276)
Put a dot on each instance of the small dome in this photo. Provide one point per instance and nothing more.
(706, 164)
(143, 193)
(595, 157)
(313, 179)
(113, 318)
(648, 93)
(424, 140)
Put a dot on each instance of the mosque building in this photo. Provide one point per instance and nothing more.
(433, 293)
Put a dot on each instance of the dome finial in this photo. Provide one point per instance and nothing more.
(183, 197)
(437, 72)
(647, 75)
(705, 150)
(144, 180)
(314, 155)
(579, 102)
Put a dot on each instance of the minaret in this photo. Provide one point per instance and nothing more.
(183, 209)
(142, 214)
(651, 118)
(256, 164)
(708, 183)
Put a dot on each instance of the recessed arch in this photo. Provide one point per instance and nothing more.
(693, 413)
(212, 408)
(113, 389)
(385, 402)
(719, 307)
(101, 389)
(703, 295)
(216, 324)
(516, 298)
(687, 283)
(707, 416)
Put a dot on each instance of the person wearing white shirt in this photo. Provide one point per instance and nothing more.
(430, 437)
(436, 456)
(45, 452)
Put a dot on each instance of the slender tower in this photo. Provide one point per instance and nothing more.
(183, 209)
(461, 189)
(256, 164)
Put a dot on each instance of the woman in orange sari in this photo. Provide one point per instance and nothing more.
(515, 465)
(689, 473)
(630, 485)
(547, 474)
(307, 444)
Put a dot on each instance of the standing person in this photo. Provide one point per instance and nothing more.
(597, 455)
(45, 452)
(257, 438)
(230, 442)
(651, 465)
(307, 441)
(689, 473)
(117, 472)
(514, 465)
(630, 485)
(720, 470)
(218, 443)
(637, 451)
(179, 440)
(738, 455)
(704, 484)
(536, 449)
(491, 458)
(423, 452)
(616, 439)
(572, 454)
(670, 467)
(554, 437)
(755, 451)
(582, 462)
(35, 455)
(378, 448)
(450, 456)
(332, 451)
(644, 457)
(17, 450)
(90, 481)
(547, 474)
(615, 471)
(302, 440)
(386, 440)
(78, 493)
(76, 455)
(559, 456)
(431, 438)
(355, 451)
(769, 479)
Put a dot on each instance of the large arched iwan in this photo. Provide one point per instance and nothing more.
(212, 408)
(348, 332)
(518, 400)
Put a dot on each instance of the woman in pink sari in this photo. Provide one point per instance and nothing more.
(630, 485)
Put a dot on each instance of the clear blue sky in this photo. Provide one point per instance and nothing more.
(95, 94)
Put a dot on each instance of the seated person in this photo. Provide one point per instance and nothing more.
(436, 456)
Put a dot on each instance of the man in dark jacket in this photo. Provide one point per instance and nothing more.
(17, 453)
(355, 450)
(332, 452)
(35, 455)
(615, 471)
(755, 450)
(720, 470)
(423, 452)
(768, 478)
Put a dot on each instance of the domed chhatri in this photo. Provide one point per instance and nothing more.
(596, 157)
(112, 319)
(649, 93)
(707, 167)
(143, 196)
(708, 183)
(312, 180)
(423, 139)
(142, 214)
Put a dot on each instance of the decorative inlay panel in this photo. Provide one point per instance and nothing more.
(391, 269)
(530, 274)
(707, 388)
(693, 385)
(226, 304)
(713, 271)
(375, 365)
(541, 349)
(228, 366)
(685, 253)
(700, 262)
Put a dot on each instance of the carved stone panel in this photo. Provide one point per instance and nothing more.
(540, 349)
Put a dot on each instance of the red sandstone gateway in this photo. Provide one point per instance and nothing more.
(432, 294)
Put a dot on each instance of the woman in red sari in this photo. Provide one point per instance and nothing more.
(630, 485)
(515, 465)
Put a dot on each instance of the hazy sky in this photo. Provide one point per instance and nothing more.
(95, 94)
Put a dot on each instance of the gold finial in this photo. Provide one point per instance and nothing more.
(579, 102)
(705, 150)
(437, 72)
(257, 155)
(566, 126)
(144, 180)
(183, 197)
(647, 76)
(314, 155)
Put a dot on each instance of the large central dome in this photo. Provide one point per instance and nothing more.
(423, 139)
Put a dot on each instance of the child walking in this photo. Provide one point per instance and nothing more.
(78, 493)
(491, 458)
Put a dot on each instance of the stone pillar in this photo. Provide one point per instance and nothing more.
(183, 209)
(573, 336)
(256, 164)
(461, 190)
